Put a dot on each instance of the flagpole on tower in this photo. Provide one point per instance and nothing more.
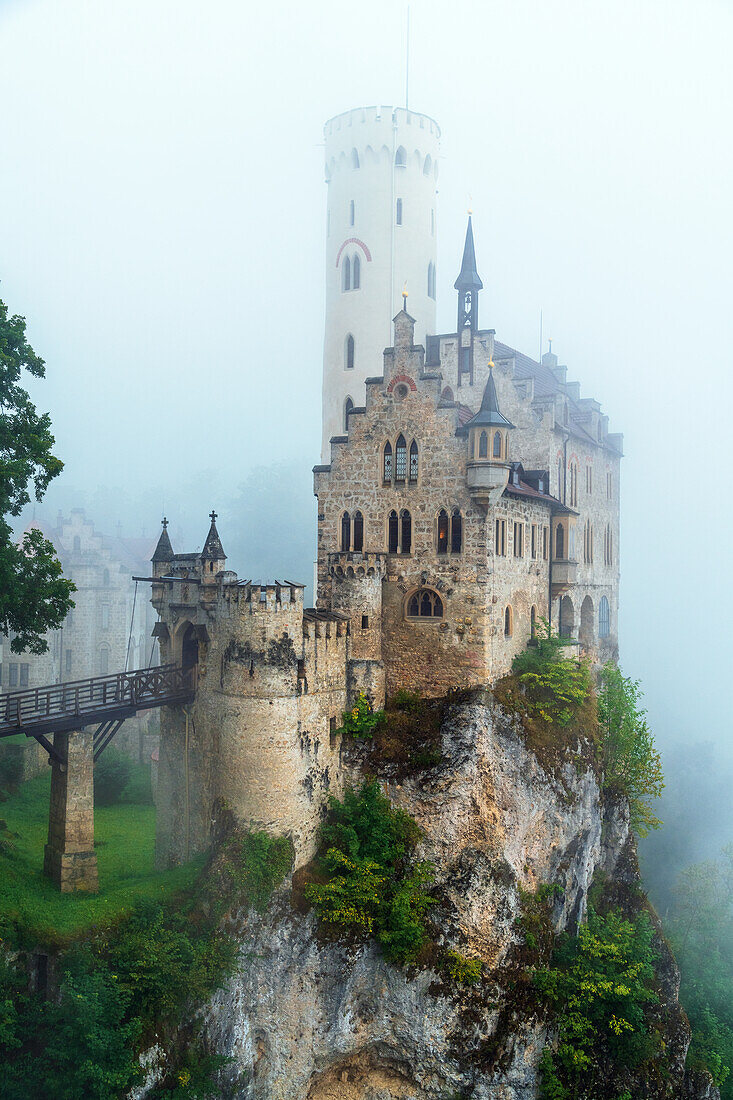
(407, 62)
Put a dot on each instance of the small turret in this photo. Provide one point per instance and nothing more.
(487, 470)
(213, 558)
(163, 553)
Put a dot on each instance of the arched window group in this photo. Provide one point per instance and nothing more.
(450, 532)
(431, 280)
(352, 531)
(588, 542)
(349, 349)
(424, 604)
(604, 618)
(401, 465)
(399, 532)
(351, 273)
(608, 545)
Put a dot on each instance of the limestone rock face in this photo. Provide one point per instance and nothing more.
(308, 1018)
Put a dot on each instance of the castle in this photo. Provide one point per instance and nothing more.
(467, 492)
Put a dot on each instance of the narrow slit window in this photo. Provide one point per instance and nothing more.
(348, 409)
(346, 274)
(358, 543)
(413, 461)
(346, 531)
(356, 273)
(398, 212)
(400, 459)
(351, 212)
(387, 469)
(350, 349)
(456, 532)
(442, 532)
(405, 532)
(392, 533)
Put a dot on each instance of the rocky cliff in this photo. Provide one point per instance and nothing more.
(307, 1016)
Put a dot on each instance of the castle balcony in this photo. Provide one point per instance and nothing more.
(486, 481)
(564, 575)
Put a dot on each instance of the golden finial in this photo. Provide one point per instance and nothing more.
(491, 364)
(404, 289)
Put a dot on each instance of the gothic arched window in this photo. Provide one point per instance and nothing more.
(346, 531)
(428, 165)
(413, 461)
(358, 543)
(346, 274)
(354, 159)
(424, 604)
(349, 353)
(387, 468)
(442, 531)
(400, 157)
(604, 618)
(508, 622)
(497, 445)
(348, 409)
(405, 531)
(356, 273)
(483, 445)
(393, 533)
(456, 532)
(400, 471)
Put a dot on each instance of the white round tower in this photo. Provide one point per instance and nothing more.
(381, 171)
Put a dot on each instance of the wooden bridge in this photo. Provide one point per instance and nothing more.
(104, 701)
(66, 712)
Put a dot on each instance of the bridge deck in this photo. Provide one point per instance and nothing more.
(71, 706)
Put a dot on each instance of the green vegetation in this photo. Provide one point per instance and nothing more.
(34, 597)
(700, 927)
(373, 885)
(631, 764)
(32, 911)
(554, 686)
(599, 986)
(112, 772)
(153, 947)
(461, 969)
(360, 721)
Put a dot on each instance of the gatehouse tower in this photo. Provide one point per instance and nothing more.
(381, 171)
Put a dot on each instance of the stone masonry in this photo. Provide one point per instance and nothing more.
(69, 857)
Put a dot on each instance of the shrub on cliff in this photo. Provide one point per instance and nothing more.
(600, 987)
(631, 763)
(554, 686)
(373, 885)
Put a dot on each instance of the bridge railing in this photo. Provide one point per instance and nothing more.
(91, 697)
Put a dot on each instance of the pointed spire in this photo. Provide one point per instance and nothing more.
(213, 548)
(489, 415)
(469, 278)
(164, 550)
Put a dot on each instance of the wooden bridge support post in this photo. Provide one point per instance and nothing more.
(69, 857)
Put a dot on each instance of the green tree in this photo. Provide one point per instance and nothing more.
(631, 763)
(34, 597)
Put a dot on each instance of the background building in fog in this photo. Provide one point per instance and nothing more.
(96, 638)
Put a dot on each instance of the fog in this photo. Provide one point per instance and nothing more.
(162, 227)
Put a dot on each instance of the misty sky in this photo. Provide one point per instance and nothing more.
(162, 221)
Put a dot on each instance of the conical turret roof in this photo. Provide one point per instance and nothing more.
(213, 548)
(163, 551)
(468, 278)
(489, 415)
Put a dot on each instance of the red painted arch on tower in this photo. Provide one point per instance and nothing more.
(354, 240)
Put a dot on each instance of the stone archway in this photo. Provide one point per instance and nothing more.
(566, 624)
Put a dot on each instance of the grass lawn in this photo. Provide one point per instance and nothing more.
(32, 909)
